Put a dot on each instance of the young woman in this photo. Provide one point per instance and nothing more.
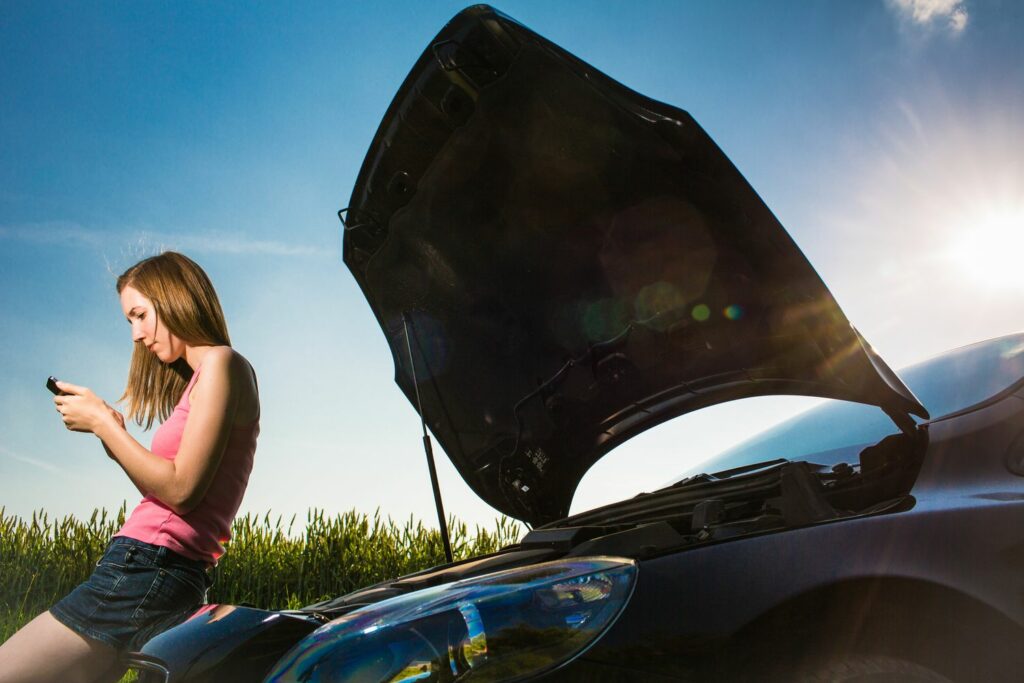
(153, 574)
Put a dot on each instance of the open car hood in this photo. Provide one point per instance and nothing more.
(563, 263)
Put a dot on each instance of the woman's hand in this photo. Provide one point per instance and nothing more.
(84, 411)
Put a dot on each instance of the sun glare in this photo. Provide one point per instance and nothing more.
(989, 247)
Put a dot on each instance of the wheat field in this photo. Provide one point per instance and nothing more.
(269, 563)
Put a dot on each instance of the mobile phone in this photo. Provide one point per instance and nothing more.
(51, 384)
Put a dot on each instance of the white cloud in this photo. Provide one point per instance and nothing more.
(68, 234)
(40, 464)
(958, 19)
(235, 244)
(52, 232)
(951, 14)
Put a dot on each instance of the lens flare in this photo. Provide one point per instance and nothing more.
(604, 319)
(660, 304)
(733, 312)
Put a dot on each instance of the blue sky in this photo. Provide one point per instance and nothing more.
(886, 135)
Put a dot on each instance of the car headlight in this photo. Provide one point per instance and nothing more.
(498, 627)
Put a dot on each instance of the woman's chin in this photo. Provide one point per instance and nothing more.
(163, 357)
(166, 355)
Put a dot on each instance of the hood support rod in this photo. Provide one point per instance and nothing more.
(427, 447)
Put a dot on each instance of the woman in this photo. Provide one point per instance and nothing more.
(153, 573)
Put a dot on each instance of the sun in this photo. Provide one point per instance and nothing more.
(988, 247)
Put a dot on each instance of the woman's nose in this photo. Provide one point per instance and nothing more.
(137, 334)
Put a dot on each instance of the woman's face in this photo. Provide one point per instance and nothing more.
(146, 329)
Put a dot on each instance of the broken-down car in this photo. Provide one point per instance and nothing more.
(559, 264)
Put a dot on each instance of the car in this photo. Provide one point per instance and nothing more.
(559, 264)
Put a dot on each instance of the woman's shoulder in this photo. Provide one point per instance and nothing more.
(230, 365)
(225, 360)
(224, 364)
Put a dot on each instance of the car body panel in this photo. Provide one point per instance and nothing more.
(221, 643)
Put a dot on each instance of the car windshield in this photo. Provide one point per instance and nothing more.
(837, 430)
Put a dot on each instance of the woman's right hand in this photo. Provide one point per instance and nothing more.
(82, 410)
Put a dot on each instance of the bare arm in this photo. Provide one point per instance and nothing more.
(180, 483)
(119, 418)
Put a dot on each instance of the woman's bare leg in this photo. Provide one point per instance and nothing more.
(47, 651)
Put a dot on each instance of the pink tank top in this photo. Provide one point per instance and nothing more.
(200, 534)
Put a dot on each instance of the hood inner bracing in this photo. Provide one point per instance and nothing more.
(577, 263)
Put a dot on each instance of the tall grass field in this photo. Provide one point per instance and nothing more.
(268, 563)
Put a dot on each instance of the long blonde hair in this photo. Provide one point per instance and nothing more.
(185, 302)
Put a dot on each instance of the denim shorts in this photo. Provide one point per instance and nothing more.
(136, 591)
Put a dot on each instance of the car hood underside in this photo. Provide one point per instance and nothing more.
(562, 263)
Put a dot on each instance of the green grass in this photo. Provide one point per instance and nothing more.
(268, 563)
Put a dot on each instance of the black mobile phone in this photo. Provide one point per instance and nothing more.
(51, 384)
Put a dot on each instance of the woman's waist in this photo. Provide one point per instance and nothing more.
(200, 534)
(159, 555)
(212, 516)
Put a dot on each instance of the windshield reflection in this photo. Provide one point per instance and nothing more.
(837, 431)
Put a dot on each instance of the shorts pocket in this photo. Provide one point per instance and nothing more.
(106, 579)
(196, 579)
(123, 555)
(113, 557)
(168, 594)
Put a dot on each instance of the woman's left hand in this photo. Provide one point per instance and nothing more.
(81, 409)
